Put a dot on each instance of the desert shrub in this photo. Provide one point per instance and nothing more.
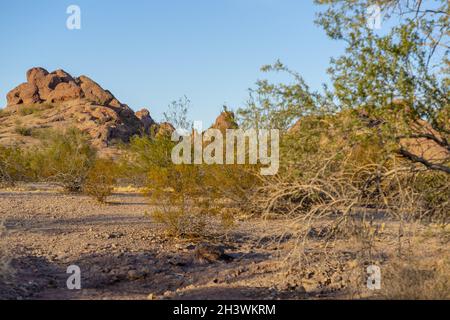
(234, 184)
(177, 113)
(344, 160)
(4, 113)
(142, 154)
(26, 110)
(183, 205)
(189, 199)
(174, 189)
(14, 165)
(64, 158)
(23, 131)
(189, 202)
(101, 178)
(336, 169)
(148, 152)
(416, 280)
(434, 191)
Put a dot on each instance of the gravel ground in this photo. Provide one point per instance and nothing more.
(122, 254)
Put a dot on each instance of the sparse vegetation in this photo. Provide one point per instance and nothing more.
(4, 113)
(415, 280)
(348, 153)
(64, 159)
(187, 197)
(101, 179)
(177, 114)
(13, 165)
(36, 109)
(23, 131)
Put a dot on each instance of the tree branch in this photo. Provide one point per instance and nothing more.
(426, 163)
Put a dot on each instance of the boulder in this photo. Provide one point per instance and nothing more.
(93, 92)
(115, 103)
(64, 91)
(26, 93)
(126, 112)
(144, 116)
(164, 129)
(47, 84)
(226, 120)
(13, 97)
(208, 253)
(104, 115)
(36, 74)
(63, 76)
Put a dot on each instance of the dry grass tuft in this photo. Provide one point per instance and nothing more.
(414, 280)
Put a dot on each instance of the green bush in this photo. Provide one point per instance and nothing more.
(23, 131)
(14, 165)
(33, 109)
(183, 206)
(141, 154)
(434, 191)
(189, 199)
(101, 179)
(64, 158)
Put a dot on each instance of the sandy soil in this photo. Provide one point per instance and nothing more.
(122, 254)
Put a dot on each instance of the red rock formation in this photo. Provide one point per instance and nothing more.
(146, 119)
(226, 120)
(79, 102)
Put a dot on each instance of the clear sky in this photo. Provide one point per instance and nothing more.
(149, 53)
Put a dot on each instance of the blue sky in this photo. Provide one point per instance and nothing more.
(149, 53)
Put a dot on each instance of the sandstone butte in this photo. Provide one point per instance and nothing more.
(57, 100)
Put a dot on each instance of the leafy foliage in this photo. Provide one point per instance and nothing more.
(189, 199)
(375, 142)
(101, 179)
(64, 158)
(13, 164)
(177, 114)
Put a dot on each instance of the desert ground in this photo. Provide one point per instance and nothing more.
(122, 254)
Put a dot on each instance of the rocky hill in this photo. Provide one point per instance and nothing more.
(58, 100)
